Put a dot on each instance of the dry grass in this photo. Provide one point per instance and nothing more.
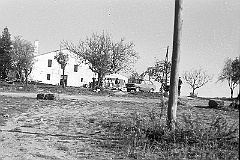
(71, 129)
(147, 137)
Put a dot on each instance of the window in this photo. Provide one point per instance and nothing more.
(81, 79)
(48, 76)
(75, 68)
(49, 63)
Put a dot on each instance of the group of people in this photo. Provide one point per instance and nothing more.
(167, 87)
(113, 83)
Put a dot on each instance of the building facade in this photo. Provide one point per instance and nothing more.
(47, 70)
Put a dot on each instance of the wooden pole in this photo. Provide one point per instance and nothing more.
(166, 67)
(173, 92)
(239, 86)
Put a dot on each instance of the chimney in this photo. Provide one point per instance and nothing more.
(36, 47)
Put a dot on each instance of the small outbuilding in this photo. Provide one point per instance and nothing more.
(115, 80)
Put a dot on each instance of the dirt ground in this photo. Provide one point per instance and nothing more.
(67, 128)
(84, 97)
(58, 130)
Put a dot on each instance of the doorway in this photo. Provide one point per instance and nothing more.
(63, 80)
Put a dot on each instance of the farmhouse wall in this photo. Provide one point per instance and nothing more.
(47, 70)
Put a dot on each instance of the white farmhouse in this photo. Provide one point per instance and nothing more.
(47, 70)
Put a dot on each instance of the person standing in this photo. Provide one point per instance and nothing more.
(117, 82)
(179, 86)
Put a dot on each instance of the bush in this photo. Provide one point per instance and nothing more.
(193, 95)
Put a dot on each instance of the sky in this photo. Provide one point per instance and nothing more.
(210, 31)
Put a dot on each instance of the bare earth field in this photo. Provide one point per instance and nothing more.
(69, 128)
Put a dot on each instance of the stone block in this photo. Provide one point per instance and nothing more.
(40, 96)
(47, 96)
(212, 103)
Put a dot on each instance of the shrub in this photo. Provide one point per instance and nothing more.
(144, 136)
(193, 94)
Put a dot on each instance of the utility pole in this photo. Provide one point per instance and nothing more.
(166, 67)
(173, 92)
(239, 87)
(164, 72)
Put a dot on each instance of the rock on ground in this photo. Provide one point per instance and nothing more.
(215, 103)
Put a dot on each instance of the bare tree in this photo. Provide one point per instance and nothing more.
(196, 78)
(231, 73)
(62, 59)
(103, 55)
(22, 58)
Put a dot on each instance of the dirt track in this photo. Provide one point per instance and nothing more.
(84, 97)
(59, 130)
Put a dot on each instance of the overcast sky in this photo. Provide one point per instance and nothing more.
(210, 34)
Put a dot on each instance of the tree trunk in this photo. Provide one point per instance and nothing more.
(231, 92)
(4, 72)
(21, 76)
(63, 79)
(26, 77)
(100, 78)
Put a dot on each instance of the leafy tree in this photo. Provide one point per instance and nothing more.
(135, 77)
(5, 57)
(62, 59)
(160, 72)
(236, 70)
(103, 55)
(231, 73)
(22, 55)
(196, 78)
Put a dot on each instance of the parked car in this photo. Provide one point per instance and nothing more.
(145, 85)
